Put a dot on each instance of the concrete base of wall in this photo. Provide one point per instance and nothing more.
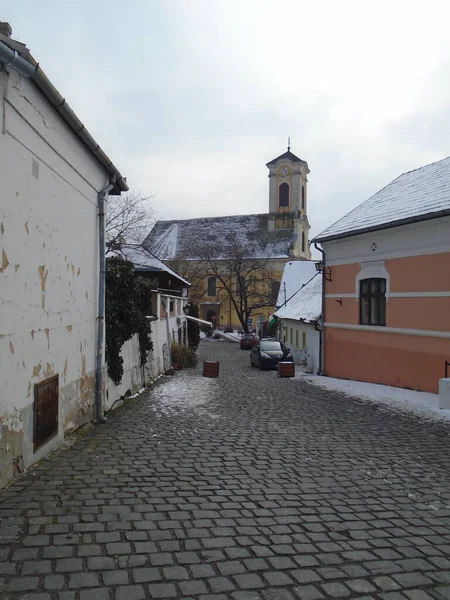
(76, 407)
(444, 393)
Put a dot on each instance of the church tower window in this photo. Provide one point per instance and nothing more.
(212, 286)
(303, 196)
(283, 195)
(303, 241)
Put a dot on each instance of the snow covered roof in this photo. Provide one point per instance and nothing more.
(177, 239)
(414, 196)
(296, 273)
(306, 305)
(143, 260)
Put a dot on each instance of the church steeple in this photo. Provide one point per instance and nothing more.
(288, 179)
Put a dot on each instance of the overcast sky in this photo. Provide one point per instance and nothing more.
(191, 98)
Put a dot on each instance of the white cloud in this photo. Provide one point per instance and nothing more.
(191, 99)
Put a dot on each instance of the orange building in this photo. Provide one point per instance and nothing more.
(386, 275)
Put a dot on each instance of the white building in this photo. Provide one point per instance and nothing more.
(168, 322)
(300, 321)
(54, 180)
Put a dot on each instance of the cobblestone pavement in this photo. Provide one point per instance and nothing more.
(245, 487)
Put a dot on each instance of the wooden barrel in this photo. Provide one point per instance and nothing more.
(210, 369)
(286, 369)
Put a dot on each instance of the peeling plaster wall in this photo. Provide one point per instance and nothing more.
(48, 269)
(132, 380)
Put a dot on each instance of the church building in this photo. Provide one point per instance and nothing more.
(274, 237)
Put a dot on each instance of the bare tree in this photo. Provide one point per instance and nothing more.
(128, 218)
(243, 278)
(193, 271)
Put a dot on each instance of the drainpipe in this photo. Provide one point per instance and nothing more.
(322, 335)
(101, 300)
(12, 59)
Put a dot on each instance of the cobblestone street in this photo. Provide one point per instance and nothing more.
(245, 487)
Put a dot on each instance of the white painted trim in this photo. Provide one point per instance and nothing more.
(340, 296)
(420, 294)
(371, 269)
(415, 239)
(393, 255)
(399, 295)
(381, 329)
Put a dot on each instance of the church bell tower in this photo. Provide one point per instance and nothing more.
(288, 197)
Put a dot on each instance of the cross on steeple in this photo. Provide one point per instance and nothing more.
(289, 143)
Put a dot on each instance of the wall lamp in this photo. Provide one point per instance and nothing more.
(186, 308)
(321, 268)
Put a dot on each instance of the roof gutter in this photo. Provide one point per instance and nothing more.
(198, 320)
(407, 221)
(31, 70)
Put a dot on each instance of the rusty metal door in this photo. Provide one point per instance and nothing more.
(45, 410)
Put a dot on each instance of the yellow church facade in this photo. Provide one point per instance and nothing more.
(258, 245)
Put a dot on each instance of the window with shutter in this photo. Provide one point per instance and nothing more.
(372, 301)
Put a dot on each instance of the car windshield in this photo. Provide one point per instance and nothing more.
(247, 336)
(271, 345)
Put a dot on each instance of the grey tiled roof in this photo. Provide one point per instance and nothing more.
(286, 156)
(176, 239)
(414, 196)
(143, 260)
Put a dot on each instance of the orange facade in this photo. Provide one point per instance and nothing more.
(411, 348)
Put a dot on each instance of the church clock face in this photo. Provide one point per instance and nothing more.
(284, 171)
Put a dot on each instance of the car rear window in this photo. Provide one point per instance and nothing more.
(270, 346)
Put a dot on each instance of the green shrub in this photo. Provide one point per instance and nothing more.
(183, 356)
(127, 303)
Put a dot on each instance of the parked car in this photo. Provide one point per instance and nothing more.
(267, 353)
(248, 340)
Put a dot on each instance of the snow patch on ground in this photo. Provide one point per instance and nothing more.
(218, 336)
(421, 403)
(184, 393)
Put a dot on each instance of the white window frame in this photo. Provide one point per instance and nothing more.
(373, 269)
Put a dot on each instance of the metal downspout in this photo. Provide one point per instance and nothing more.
(12, 59)
(101, 301)
(322, 333)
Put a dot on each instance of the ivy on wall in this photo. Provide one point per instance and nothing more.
(128, 301)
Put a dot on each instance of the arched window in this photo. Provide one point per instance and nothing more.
(283, 195)
(240, 285)
(303, 196)
(212, 286)
(303, 241)
(274, 289)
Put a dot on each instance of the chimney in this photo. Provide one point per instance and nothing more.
(5, 29)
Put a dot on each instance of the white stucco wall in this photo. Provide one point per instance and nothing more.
(49, 268)
(135, 376)
(308, 355)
